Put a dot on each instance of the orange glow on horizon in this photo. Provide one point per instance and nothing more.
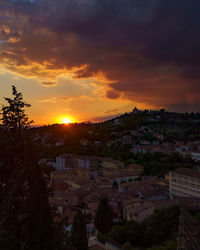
(65, 120)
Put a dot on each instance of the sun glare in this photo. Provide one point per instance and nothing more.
(66, 120)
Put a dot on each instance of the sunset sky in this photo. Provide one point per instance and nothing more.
(92, 59)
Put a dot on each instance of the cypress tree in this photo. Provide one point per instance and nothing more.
(104, 216)
(39, 221)
(79, 232)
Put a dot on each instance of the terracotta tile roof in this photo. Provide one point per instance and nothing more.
(77, 180)
(162, 203)
(86, 157)
(58, 201)
(131, 201)
(134, 165)
(143, 206)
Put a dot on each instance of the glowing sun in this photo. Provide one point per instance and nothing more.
(66, 120)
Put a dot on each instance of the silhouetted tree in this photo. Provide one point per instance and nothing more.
(104, 216)
(13, 115)
(79, 232)
(25, 216)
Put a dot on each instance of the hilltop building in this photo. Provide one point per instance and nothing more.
(135, 111)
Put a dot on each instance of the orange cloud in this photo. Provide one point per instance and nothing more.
(5, 29)
(49, 84)
(135, 52)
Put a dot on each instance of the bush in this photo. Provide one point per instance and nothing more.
(101, 237)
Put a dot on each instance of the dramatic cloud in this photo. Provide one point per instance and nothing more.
(148, 50)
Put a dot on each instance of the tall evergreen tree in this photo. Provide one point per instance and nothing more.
(25, 217)
(104, 216)
(39, 220)
(79, 232)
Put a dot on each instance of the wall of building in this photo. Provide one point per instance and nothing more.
(185, 186)
(60, 163)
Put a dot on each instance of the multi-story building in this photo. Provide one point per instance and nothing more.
(135, 169)
(73, 161)
(81, 161)
(184, 182)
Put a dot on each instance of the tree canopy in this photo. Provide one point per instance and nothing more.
(160, 229)
(13, 115)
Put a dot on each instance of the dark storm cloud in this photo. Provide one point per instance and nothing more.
(149, 49)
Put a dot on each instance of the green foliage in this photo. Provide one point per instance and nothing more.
(104, 216)
(129, 161)
(138, 178)
(118, 233)
(134, 232)
(101, 237)
(131, 121)
(130, 232)
(197, 216)
(159, 229)
(25, 215)
(164, 222)
(79, 232)
(127, 246)
(115, 185)
(159, 164)
(169, 245)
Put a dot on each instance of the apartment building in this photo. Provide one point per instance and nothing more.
(184, 182)
(135, 169)
(73, 161)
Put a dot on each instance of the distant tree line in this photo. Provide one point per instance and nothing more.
(159, 164)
